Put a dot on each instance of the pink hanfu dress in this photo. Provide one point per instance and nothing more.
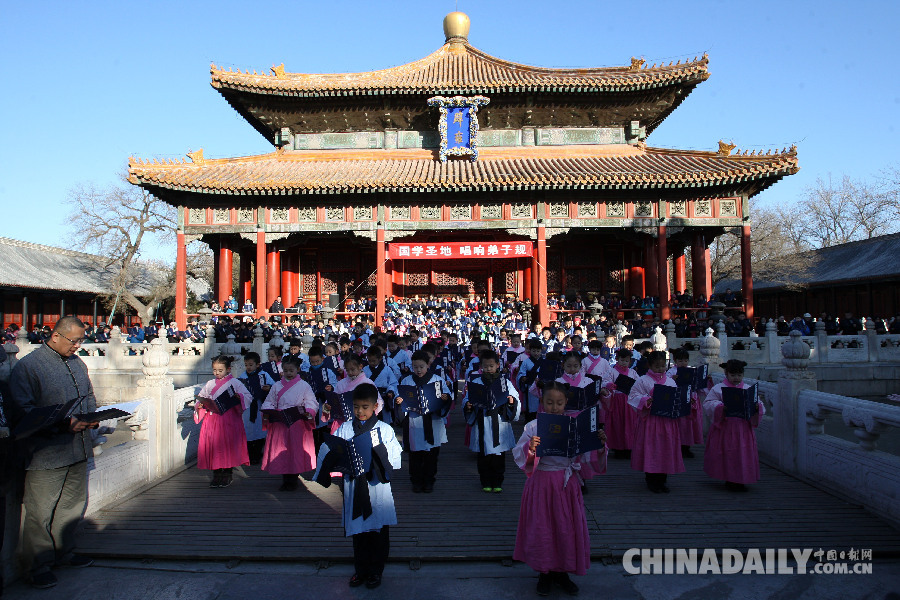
(552, 534)
(657, 440)
(621, 419)
(731, 452)
(290, 450)
(223, 441)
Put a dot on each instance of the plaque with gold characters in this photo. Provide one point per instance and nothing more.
(458, 124)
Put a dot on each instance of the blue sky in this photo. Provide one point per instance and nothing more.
(88, 84)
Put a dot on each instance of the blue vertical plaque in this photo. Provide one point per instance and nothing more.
(458, 125)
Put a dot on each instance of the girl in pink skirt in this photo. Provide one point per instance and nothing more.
(223, 442)
(657, 440)
(731, 452)
(552, 536)
(290, 450)
(621, 419)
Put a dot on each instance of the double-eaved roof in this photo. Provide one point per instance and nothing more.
(614, 166)
(463, 69)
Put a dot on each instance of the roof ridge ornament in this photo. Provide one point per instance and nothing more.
(278, 71)
(196, 157)
(456, 28)
(636, 64)
(725, 148)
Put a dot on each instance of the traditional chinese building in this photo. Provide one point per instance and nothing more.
(461, 173)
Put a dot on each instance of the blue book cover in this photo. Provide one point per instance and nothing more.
(422, 400)
(351, 457)
(549, 370)
(488, 398)
(739, 403)
(562, 435)
(581, 398)
(671, 402)
(341, 406)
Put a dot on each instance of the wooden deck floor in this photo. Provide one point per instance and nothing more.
(183, 518)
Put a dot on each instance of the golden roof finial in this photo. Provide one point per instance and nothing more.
(456, 27)
(725, 149)
(196, 157)
(636, 63)
(279, 71)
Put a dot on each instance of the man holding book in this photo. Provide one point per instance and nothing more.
(56, 454)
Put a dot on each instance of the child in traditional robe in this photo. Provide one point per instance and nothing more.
(273, 365)
(399, 356)
(690, 426)
(223, 442)
(368, 502)
(423, 435)
(258, 382)
(512, 354)
(731, 452)
(492, 435)
(526, 375)
(290, 450)
(380, 374)
(331, 349)
(355, 377)
(595, 365)
(657, 439)
(573, 376)
(621, 419)
(552, 536)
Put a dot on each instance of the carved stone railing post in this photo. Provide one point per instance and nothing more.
(658, 340)
(872, 340)
(209, 342)
(277, 341)
(259, 342)
(724, 348)
(794, 378)
(115, 351)
(773, 351)
(233, 349)
(670, 335)
(621, 332)
(822, 345)
(709, 351)
(160, 411)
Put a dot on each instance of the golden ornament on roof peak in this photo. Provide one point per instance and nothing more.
(456, 27)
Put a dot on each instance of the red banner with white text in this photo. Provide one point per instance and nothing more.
(460, 250)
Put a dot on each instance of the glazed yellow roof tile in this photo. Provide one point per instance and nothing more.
(361, 171)
(461, 68)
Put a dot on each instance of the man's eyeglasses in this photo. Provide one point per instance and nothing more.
(77, 342)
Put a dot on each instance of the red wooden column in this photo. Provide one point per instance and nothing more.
(261, 306)
(244, 278)
(543, 311)
(527, 292)
(700, 268)
(225, 268)
(636, 274)
(680, 271)
(490, 283)
(381, 280)
(290, 276)
(180, 283)
(665, 304)
(273, 273)
(746, 273)
(651, 273)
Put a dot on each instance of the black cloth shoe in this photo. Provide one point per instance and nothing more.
(355, 581)
(42, 581)
(373, 581)
(543, 584)
(568, 586)
(686, 452)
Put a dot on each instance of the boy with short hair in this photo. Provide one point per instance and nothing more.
(368, 502)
